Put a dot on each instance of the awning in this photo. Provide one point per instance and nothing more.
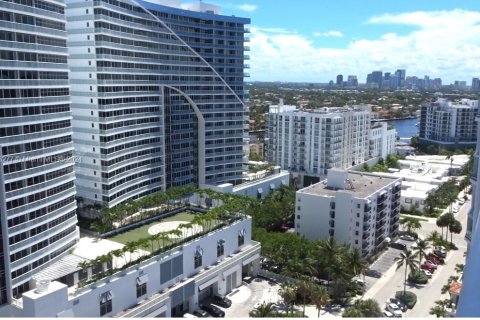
(207, 284)
(66, 314)
(272, 186)
(142, 279)
(260, 190)
(252, 258)
(106, 296)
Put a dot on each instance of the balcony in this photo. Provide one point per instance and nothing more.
(367, 208)
(381, 207)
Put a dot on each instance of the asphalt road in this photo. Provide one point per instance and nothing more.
(393, 280)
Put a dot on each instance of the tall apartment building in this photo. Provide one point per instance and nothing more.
(475, 84)
(158, 97)
(383, 138)
(468, 303)
(450, 125)
(359, 209)
(37, 192)
(311, 142)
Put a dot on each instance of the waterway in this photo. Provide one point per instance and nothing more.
(406, 128)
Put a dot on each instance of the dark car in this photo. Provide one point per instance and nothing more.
(214, 311)
(398, 245)
(222, 301)
(200, 313)
(373, 273)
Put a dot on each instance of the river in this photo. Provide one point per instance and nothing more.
(406, 128)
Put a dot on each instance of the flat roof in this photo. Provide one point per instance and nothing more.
(65, 266)
(363, 185)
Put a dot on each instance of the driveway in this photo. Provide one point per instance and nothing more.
(248, 296)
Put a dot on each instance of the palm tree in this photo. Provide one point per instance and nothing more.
(434, 237)
(320, 298)
(459, 267)
(412, 225)
(438, 311)
(421, 249)
(406, 258)
(356, 262)
(304, 287)
(329, 250)
(265, 310)
(288, 292)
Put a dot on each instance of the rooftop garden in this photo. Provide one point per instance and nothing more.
(230, 208)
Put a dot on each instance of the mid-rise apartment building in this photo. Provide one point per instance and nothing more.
(450, 125)
(383, 138)
(314, 141)
(37, 192)
(158, 97)
(362, 210)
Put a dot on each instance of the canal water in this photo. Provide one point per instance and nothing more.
(406, 128)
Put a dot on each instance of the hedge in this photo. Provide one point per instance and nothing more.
(410, 298)
(418, 277)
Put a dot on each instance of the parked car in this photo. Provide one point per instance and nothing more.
(398, 245)
(427, 273)
(427, 267)
(387, 314)
(200, 313)
(407, 237)
(437, 260)
(222, 301)
(373, 273)
(431, 264)
(399, 303)
(213, 311)
(440, 251)
(393, 308)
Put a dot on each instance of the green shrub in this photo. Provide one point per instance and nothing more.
(418, 277)
(410, 298)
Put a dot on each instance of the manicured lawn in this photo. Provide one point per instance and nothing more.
(142, 232)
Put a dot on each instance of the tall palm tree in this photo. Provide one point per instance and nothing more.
(421, 249)
(288, 292)
(413, 225)
(454, 227)
(329, 250)
(406, 258)
(304, 287)
(265, 310)
(320, 298)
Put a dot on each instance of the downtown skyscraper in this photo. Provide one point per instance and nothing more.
(37, 192)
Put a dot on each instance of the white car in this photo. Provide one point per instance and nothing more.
(427, 273)
(387, 314)
(393, 308)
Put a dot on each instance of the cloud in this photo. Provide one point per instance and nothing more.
(247, 7)
(442, 44)
(331, 33)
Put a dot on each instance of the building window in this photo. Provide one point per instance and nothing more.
(298, 216)
(106, 303)
(408, 200)
(141, 286)
(197, 260)
(220, 248)
(241, 237)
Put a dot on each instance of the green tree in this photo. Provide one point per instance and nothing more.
(364, 309)
(304, 288)
(265, 310)
(434, 237)
(421, 249)
(356, 263)
(288, 292)
(459, 267)
(454, 227)
(320, 298)
(407, 259)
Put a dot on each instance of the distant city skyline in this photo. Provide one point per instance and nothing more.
(311, 41)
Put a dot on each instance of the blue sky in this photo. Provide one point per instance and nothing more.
(313, 40)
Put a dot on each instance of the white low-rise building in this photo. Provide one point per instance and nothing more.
(359, 209)
(383, 137)
(167, 285)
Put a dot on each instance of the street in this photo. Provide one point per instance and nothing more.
(393, 280)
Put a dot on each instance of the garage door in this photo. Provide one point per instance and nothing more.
(205, 294)
(231, 282)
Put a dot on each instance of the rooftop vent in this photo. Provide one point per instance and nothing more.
(42, 286)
